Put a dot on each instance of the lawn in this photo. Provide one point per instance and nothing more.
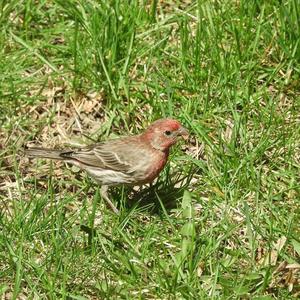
(222, 220)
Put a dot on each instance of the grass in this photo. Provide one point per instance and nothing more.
(222, 222)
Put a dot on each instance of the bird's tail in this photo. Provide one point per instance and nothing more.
(47, 153)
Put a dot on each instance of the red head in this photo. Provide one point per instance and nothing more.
(163, 133)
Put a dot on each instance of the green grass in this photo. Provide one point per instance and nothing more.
(222, 222)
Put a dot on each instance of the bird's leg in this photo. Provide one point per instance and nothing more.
(103, 192)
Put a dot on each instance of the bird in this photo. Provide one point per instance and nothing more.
(132, 160)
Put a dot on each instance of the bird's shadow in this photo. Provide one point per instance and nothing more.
(162, 196)
(156, 198)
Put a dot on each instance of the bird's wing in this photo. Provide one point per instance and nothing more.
(112, 155)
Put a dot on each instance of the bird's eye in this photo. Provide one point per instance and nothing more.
(168, 132)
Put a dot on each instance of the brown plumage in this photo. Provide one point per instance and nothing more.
(133, 160)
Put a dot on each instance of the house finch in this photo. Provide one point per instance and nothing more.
(133, 160)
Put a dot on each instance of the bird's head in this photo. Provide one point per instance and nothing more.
(164, 133)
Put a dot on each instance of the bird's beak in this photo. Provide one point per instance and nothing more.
(183, 132)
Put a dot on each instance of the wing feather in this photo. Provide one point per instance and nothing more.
(112, 155)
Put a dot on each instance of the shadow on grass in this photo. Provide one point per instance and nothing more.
(156, 198)
(164, 195)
